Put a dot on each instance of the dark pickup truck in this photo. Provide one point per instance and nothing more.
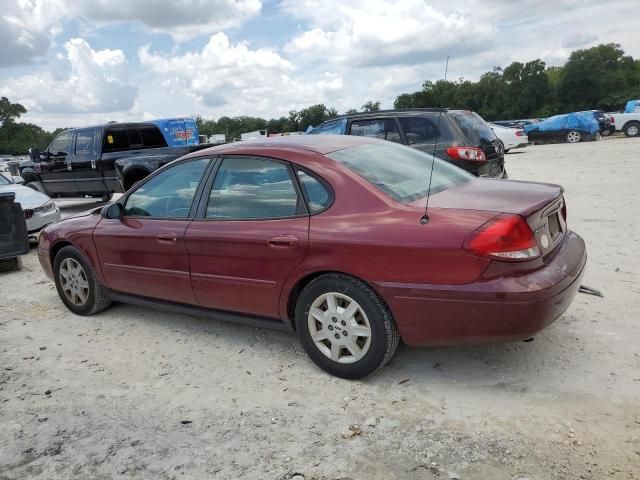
(98, 161)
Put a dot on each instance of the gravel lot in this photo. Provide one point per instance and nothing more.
(134, 393)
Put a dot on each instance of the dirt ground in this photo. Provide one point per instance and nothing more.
(135, 393)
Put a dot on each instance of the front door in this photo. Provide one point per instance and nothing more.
(250, 234)
(144, 253)
(55, 168)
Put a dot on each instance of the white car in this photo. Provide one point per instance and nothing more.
(510, 137)
(39, 209)
(629, 123)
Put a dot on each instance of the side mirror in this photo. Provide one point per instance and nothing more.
(34, 153)
(17, 179)
(113, 211)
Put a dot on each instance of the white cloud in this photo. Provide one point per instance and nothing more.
(97, 82)
(183, 19)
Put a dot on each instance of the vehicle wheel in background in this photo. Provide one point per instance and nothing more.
(605, 133)
(37, 186)
(632, 129)
(574, 136)
(345, 327)
(76, 283)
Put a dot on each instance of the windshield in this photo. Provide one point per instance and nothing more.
(400, 172)
(475, 128)
(4, 180)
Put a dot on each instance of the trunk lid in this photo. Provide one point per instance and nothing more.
(541, 204)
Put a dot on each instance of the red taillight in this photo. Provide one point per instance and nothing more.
(520, 133)
(505, 237)
(472, 154)
(613, 120)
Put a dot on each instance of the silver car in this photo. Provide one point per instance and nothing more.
(39, 209)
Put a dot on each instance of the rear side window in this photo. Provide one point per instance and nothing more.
(169, 194)
(317, 194)
(253, 188)
(381, 128)
(335, 127)
(423, 129)
(475, 128)
(133, 138)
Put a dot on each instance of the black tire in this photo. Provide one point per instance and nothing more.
(98, 296)
(37, 186)
(605, 133)
(632, 129)
(384, 337)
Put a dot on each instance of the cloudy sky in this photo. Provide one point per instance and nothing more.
(77, 62)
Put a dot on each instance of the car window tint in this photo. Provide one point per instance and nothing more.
(60, 145)
(249, 187)
(169, 194)
(419, 129)
(384, 129)
(152, 137)
(335, 127)
(84, 142)
(318, 197)
(475, 128)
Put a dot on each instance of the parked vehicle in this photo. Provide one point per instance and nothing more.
(328, 235)
(39, 210)
(605, 123)
(98, 161)
(510, 137)
(517, 123)
(571, 128)
(629, 123)
(13, 231)
(460, 137)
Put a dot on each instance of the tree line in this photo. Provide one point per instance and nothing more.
(601, 77)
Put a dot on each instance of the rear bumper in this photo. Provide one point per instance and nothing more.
(504, 308)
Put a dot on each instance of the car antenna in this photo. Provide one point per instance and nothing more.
(425, 218)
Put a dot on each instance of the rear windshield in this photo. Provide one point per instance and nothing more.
(335, 127)
(400, 172)
(475, 128)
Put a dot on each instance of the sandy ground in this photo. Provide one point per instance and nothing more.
(134, 393)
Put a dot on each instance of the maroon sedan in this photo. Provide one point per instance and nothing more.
(327, 235)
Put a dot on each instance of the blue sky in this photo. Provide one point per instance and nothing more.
(73, 63)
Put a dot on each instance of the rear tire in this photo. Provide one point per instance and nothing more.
(350, 331)
(76, 283)
(632, 129)
(574, 136)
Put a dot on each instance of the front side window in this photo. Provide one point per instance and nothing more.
(382, 128)
(169, 194)
(400, 172)
(60, 145)
(318, 196)
(253, 188)
(84, 142)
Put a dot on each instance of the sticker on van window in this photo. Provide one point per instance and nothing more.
(109, 138)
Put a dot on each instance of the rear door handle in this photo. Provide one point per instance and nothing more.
(167, 238)
(283, 241)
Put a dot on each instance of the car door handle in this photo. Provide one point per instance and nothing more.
(283, 241)
(167, 238)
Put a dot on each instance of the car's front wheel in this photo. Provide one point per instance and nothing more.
(632, 130)
(344, 326)
(76, 283)
(574, 136)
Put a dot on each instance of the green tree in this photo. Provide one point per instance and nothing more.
(371, 106)
(10, 112)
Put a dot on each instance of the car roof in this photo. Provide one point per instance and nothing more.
(321, 144)
(404, 112)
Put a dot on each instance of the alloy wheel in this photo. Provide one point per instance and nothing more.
(74, 282)
(573, 137)
(632, 131)
(339, 327)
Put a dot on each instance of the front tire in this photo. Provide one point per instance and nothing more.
(345, 327)
(574, 136)
(632, 129)
(76, 283)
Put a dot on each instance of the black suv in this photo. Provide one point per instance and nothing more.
(463, 137)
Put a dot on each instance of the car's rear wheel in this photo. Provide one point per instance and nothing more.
(345, 327)
(632, 130)
(574, 136)
(76, 283)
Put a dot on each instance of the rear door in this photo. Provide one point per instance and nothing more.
(381, 128)
(251, 233)
(144, 252)
(84, 161)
